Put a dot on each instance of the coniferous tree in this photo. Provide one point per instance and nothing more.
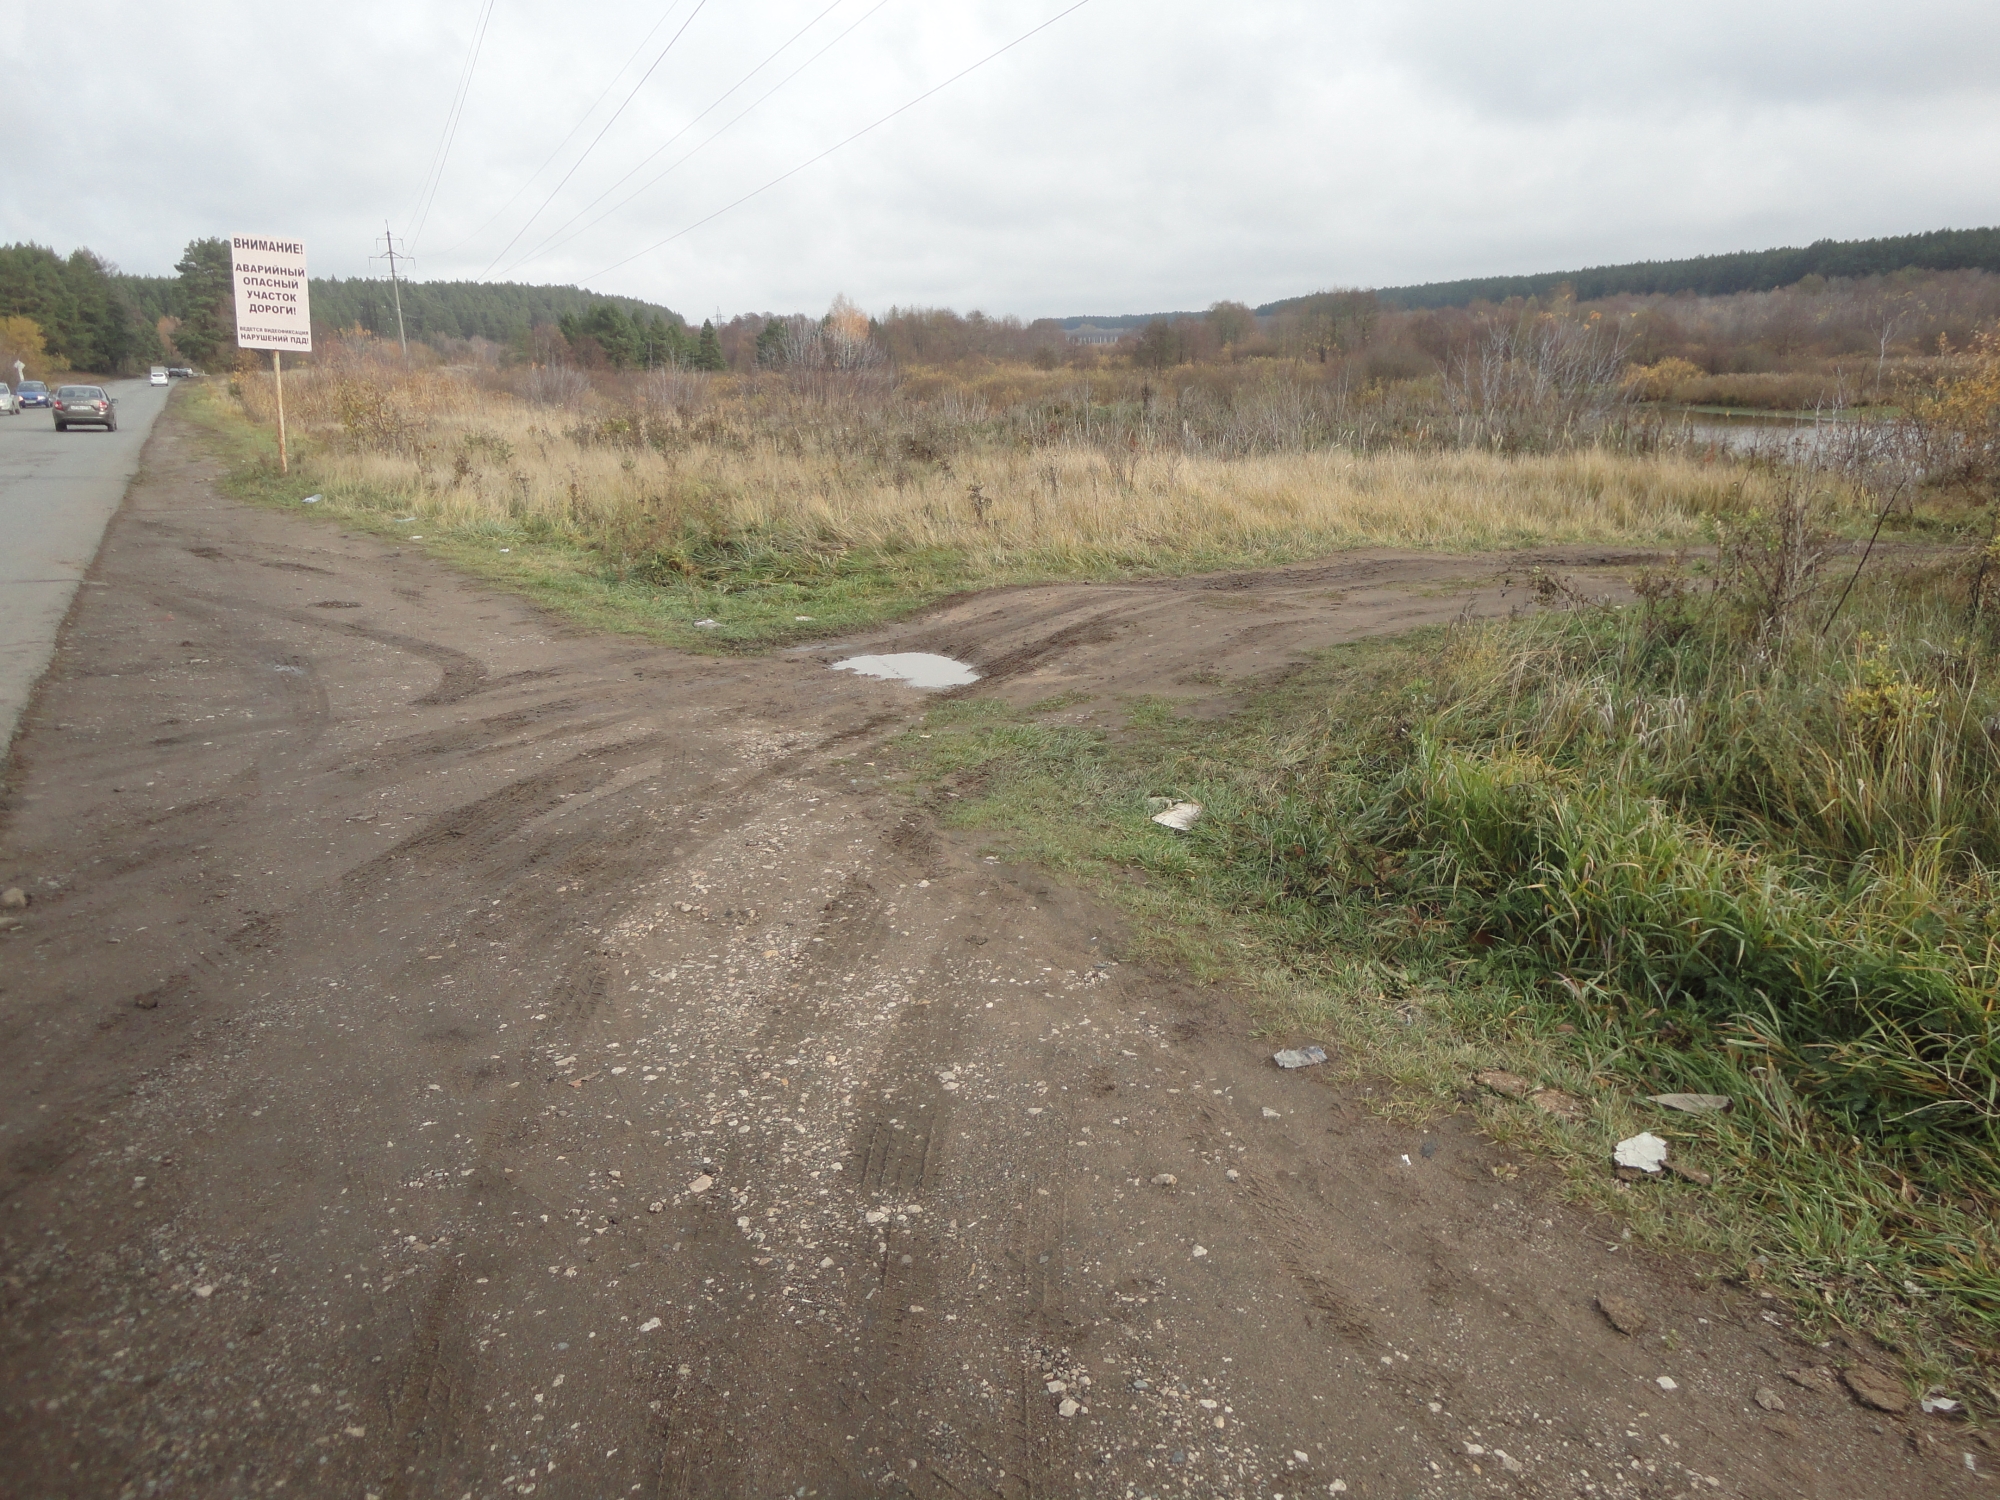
(708, 352)
(205, 302)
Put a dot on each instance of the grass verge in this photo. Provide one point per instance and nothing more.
(1608, 852)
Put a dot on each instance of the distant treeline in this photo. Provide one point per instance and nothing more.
(501, 311)
(1714, 275)
(83, 316)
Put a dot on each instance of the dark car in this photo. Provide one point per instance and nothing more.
(32, 393)
(87, 404)
(179, 372)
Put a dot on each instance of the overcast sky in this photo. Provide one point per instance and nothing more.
(1136, 155)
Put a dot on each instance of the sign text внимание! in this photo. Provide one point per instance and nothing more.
(273, 310)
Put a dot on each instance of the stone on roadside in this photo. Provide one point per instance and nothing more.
(1068, 1407)
(1300, 1057)
(1694, 1175)
(1769, 1399)
(1877, 1389)
(1513, 1085)
(1622, 1314)
(1555, 1102)
(1818, 1379)
(701, 1184)
(1165, 1179)
(14, 898)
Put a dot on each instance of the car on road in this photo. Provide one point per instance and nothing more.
(8, 406)
(158, 375)
(88, 405)
(32, 393)
(181, 372)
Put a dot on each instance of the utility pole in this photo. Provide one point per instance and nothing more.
(391, 254)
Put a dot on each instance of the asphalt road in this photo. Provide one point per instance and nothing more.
(57, 491)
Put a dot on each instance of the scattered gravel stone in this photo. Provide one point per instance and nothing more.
(1694, 1175)
(701, 1184)
(1513, 1085)
(1165, 1179)
(655, 1207)
(1875, 1388)
(1067, 1408)
(1667, 1383)
(14, 898)
(1622, 1314)
(1270, 1113)
(1233, 1175)
(1556, 1102)
(1200, 1252)
(1818, 1379)
(1300, 1057)
(1769, 1399)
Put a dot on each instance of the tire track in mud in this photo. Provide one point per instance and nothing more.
(1292, 1241)
(622, 862)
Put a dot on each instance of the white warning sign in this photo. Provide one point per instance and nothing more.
(272, 308)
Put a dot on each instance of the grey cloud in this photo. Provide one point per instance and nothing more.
(1142, 154)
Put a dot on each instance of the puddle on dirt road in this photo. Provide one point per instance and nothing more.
(920, 669)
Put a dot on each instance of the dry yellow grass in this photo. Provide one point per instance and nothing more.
(687, 452)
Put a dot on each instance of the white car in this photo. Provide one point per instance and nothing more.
(159, 375)
(8, 406)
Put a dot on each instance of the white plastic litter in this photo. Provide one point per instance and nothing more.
(1695, 1104)
(1645, 1151)
(1180, 817)
(312, 499)
(1938, 1403)
(1299, 1057)
(705, 625)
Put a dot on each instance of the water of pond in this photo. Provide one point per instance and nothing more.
(920, 669)
(1788, 439)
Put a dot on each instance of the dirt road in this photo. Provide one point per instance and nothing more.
(448, 1054)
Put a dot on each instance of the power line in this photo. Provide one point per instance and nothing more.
(837, 145)
(555, 238)
(433, 179)
(599, 136)
(602, 95)
(392, 255)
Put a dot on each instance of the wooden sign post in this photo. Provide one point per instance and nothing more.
(272, 308)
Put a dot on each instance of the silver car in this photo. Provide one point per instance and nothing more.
(88, 405)
(9, 407)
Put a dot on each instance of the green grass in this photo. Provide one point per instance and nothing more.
(1388, 865)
